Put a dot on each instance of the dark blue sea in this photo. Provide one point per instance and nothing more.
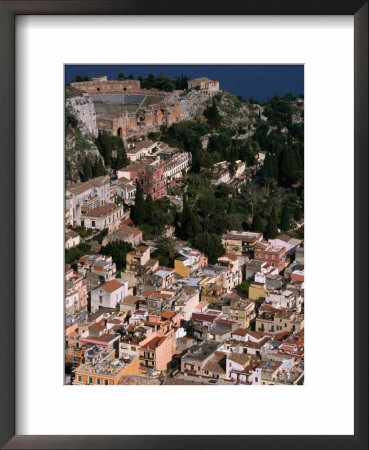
(257, 81)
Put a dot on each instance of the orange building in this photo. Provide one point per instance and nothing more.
(107, 371)
(156, 351)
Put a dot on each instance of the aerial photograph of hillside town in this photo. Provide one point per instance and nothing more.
(184, 225)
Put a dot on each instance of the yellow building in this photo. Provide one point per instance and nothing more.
(107, 371)
(258, 290)
(213, 293)
(138, 257)
(181, 266)
(242, 311)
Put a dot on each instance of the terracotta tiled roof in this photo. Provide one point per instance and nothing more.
(240, 332)
(103, 210)
(97, 326)
(240, 358)
(230, 256)
(154, 343)
(111, 286)
(168, 314)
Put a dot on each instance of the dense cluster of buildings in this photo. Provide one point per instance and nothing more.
(190, 323)
(237, 321)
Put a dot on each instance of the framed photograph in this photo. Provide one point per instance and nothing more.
(168, 172)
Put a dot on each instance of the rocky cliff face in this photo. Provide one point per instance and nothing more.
(234, 112)
(80, 134)
(83, 108)
(192, 103)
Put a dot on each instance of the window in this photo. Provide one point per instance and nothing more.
(93, 224)
(79, 378)
(106, 382)
(100, 298)
(98, 381)
(89, 380)
(256, 379)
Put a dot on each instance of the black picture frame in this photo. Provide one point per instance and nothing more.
(8, 12)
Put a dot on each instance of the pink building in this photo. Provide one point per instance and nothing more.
(149, 176)
(297, 275)
(276, 256)
(75, 292)
(156, 351)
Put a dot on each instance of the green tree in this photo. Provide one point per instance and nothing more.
(138, 209)
(87, 170)
(213, 116)
(286, 218)
(122, 159)
(243, 287)
(104, 145)
(272, 228)
(73, 254)
(98, 168)
(298, 213)
(118, 251)
(165, 251)
(210, 244)
(149, 209)
(257, 224)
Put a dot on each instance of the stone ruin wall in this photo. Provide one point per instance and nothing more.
(108, 87)
(128, 125)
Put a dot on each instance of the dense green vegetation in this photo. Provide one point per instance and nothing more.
(117, 250)
(161, 82)
(73, 254)
(274, 193)
(80, 78)
(106, 144)
(152, 216)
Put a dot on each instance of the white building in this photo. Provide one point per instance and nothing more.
(88, 195)
(233, 276)
(204, 84)
(108, 294)
(105, 216)
(72, 239)
(188, 300)
(174, 166)
(141, 149)
(125, 189)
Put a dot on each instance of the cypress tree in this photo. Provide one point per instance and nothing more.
(138, 209)
(122, 159)
(87, 170)
(298, 213)
(286, 218)
(272, 228)
(98, 169)
(257, 224)
(107, 148)
(149, 209)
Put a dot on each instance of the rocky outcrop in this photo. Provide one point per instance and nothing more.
(192, 103)
(80, 134)
(83, 108)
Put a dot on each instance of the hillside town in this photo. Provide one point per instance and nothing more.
(184, 244)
